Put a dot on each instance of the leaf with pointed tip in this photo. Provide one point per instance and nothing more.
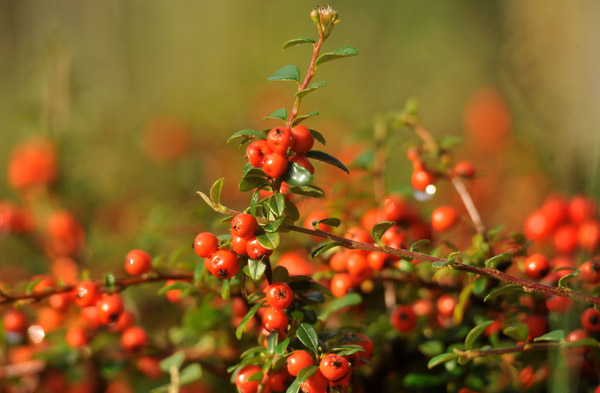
(344, 51)
(380, 228)
(310, 89)
(280, 114)
(324, 247)
(308, 190)
(256, 269)
(215, 191)
(564, 280)
(248, 133)
(298, 41)
(272, 342)
(502, 291)
(498, 260)
(318, 136)
(286, 73)
(584, 342)
(269, 240)
(250, 183)
(326, 158)
(297, 175)
(351, 299)
(517, 331)
(226, 289)
(303, 375)
(553, 336)
(442, 358)
(329, 221)
(291, 211)
(475, 333)
(249, 315)
(301, 118)
(415, 246)
(308, 336)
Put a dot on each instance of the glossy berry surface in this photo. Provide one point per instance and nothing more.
(274, 320)
(536, 266)
(14, 320)
(242, 379)
(134, 338)
(341, 284)
(334, 367)
(297, 361)
(224, 264)
(205, 244)
(279, 295)
(256, 251)
(110, 308)
(590, 320)
(275, 165)
(280, 139)
(86, 293)
(257, 152)
(317, 383)
(590, 272)
(244, 225)
(420, 179)
(443, 218)
(138, 262)
(302, 139)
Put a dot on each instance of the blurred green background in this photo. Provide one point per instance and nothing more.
(91, 75)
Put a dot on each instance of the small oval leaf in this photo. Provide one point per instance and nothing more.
(298, 41)
(326, 158)
(344, 51)
(286, 73)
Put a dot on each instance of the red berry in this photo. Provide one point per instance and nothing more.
(76, 337)
(110, 308)
(340, 284)
(256, 251)
(538, 326)
(590, 272)
(239, 245)
(590, 320)
(317, 383)
(404, 318)
(279, 295)
(278, 381)
(334, 367)
(86, 294)
(537, 226)
(150, 366)
(257, 153)
(280, 140)
(244, 225)
(556, 209)
(357, 264)
(205, 244)
(421, 179)
(125, 321)
(134, 338)
(173, 294)
(395, 208)
(358, 235)
(302, 161)
(138, 262)
(394, 237)
(242, 381)
(337, 262)
(303, 139)
(377, 260)
(224, 264)
(14, 321)
(559, 304)
(582, 208)
(370, 218)
(565, 239)
(464, 169)
(443, 218)
(446, 304)
(536, 266)
(275, 165)
(413, 154)
(297, 361)
(576, 335)
(589, 235)
(274, 320)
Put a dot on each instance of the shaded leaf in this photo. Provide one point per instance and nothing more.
(502, 291)
(585, 342)
(380, 228)
(303, 375)
(226, 289)
(291, 211)
(301, 118)
(475, 333)
(517, 332)
(297, 175)
(351, 299)
(329, 221)
(421, 381)
(324, 247)
(308, 190)
(280, 114)
(282, 346)
(250, 183)
(277, 204)
(442, 358)
(553, 336)
(248, 133)
(176, 360)
(244, 322)
(272, 342)
(318, 136)
(191, 373)
(564, 280)
(326, 158)
(415, 246)
(256, 269)
(498, 260)
(310, 89)
(308, 336)
(269, 240)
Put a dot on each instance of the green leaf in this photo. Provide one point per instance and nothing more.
(442, 358)
(324, 247)
(318, 136)
(280, 114)
(329, 221)
(282, 346)
(502, 291)
(344, 51)
(415, 245)
(256, 269)
(498, 260)
(351, 299)
(445, 263)
(277, 204)
(226, 289)
(326, 158)
(517, 332)
(286, 73)
(422, 381)
(347, 350)
(585, 342)
(244, 322)
(553, 336)
(269, 240)
(314, 297)
(109, 282)
(475, 333)
(564, 280)
(248, 133)
(463, 299)
(250, 183)
(298, 41)
(291, 211)
(274, 226)
(297, 175)
(301, 118)
(479, 285)
(431, 348)
(280, 274)
(215, 191)
(175, 360)
(272, 342)
(308, 336)
(191, 373)
(303, 375)
(308, 190)
(310, 89)
(380, 228)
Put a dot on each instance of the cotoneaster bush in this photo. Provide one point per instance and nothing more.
(356, 295)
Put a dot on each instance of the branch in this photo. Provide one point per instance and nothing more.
(120, 284)
(475, 353)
